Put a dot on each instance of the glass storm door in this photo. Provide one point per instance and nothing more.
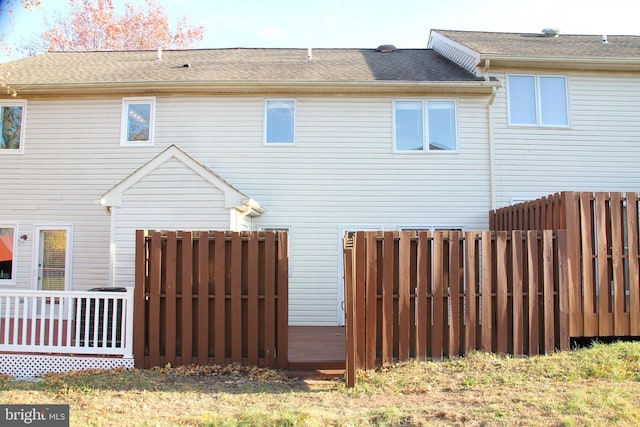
(53, 259)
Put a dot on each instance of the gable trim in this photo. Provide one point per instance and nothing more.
(233, 198)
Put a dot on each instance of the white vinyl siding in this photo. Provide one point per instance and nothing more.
(340, 171)
(538, 100)
(599, 152)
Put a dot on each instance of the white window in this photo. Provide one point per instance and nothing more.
(433, 229)
(279, 121)
(12, 118)
(423, 125)
(138, 117)
(7, 254)
(538, 100)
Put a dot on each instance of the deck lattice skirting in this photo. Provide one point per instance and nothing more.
(35, 365)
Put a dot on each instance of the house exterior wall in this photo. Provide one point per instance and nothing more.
(340, 174)
(598, 151)
(159, 202)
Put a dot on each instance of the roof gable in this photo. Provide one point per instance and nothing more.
(233, 198)
(569, 51)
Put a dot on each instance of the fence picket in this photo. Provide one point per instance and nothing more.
(517, 280)
(548, 291)
(269, 299)
(587, 234)
(632, 259)
(171, 318)
(387, 298)
(471, 280)
(140, 302)
(404, 311)
(605, 317)
(438, 305)
(219, 304)
(502, 291)
(155, 277)
(486, 291)
(282, 316)
(203, 298)
(620, 319)
(359, 300)
(252, 299)
(371, 291)
(532, 292)
(235, 278)
(186, 331)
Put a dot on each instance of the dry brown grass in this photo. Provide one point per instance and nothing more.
(596, 386)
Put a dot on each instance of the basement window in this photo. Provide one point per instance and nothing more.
(12, 115)
(138, 117)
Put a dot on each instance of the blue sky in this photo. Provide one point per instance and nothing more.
(359, 23)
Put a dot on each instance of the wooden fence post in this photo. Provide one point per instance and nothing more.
(350, 339)
(486, 294)
(140, 300)
(283, 299)
(634, 271)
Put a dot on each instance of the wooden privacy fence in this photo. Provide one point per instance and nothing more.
(211, 297)
(418, 295)
(602, 246)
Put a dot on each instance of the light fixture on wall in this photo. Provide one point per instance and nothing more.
(24, 237)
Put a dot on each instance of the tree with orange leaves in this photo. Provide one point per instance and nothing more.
(95, 25)
(8, 8)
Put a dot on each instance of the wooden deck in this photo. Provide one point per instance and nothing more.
(316, 349)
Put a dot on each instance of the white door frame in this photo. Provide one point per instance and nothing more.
(37, 228)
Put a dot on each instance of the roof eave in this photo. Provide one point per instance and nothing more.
(260, 87)
(565, 63)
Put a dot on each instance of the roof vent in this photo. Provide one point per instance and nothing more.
(386, 48)
(551, 32)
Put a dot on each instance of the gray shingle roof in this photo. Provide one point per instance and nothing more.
(540, 46)
(236, 65)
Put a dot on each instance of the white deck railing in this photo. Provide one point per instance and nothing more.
(79, 323)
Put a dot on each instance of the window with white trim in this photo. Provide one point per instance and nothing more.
(138, 117)
(538, 100)
(12, 117)
(279, 121)
(424, 125)
(7, 253)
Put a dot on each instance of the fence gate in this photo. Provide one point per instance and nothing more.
(211, 297)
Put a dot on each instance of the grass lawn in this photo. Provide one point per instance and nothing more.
(595, 386)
